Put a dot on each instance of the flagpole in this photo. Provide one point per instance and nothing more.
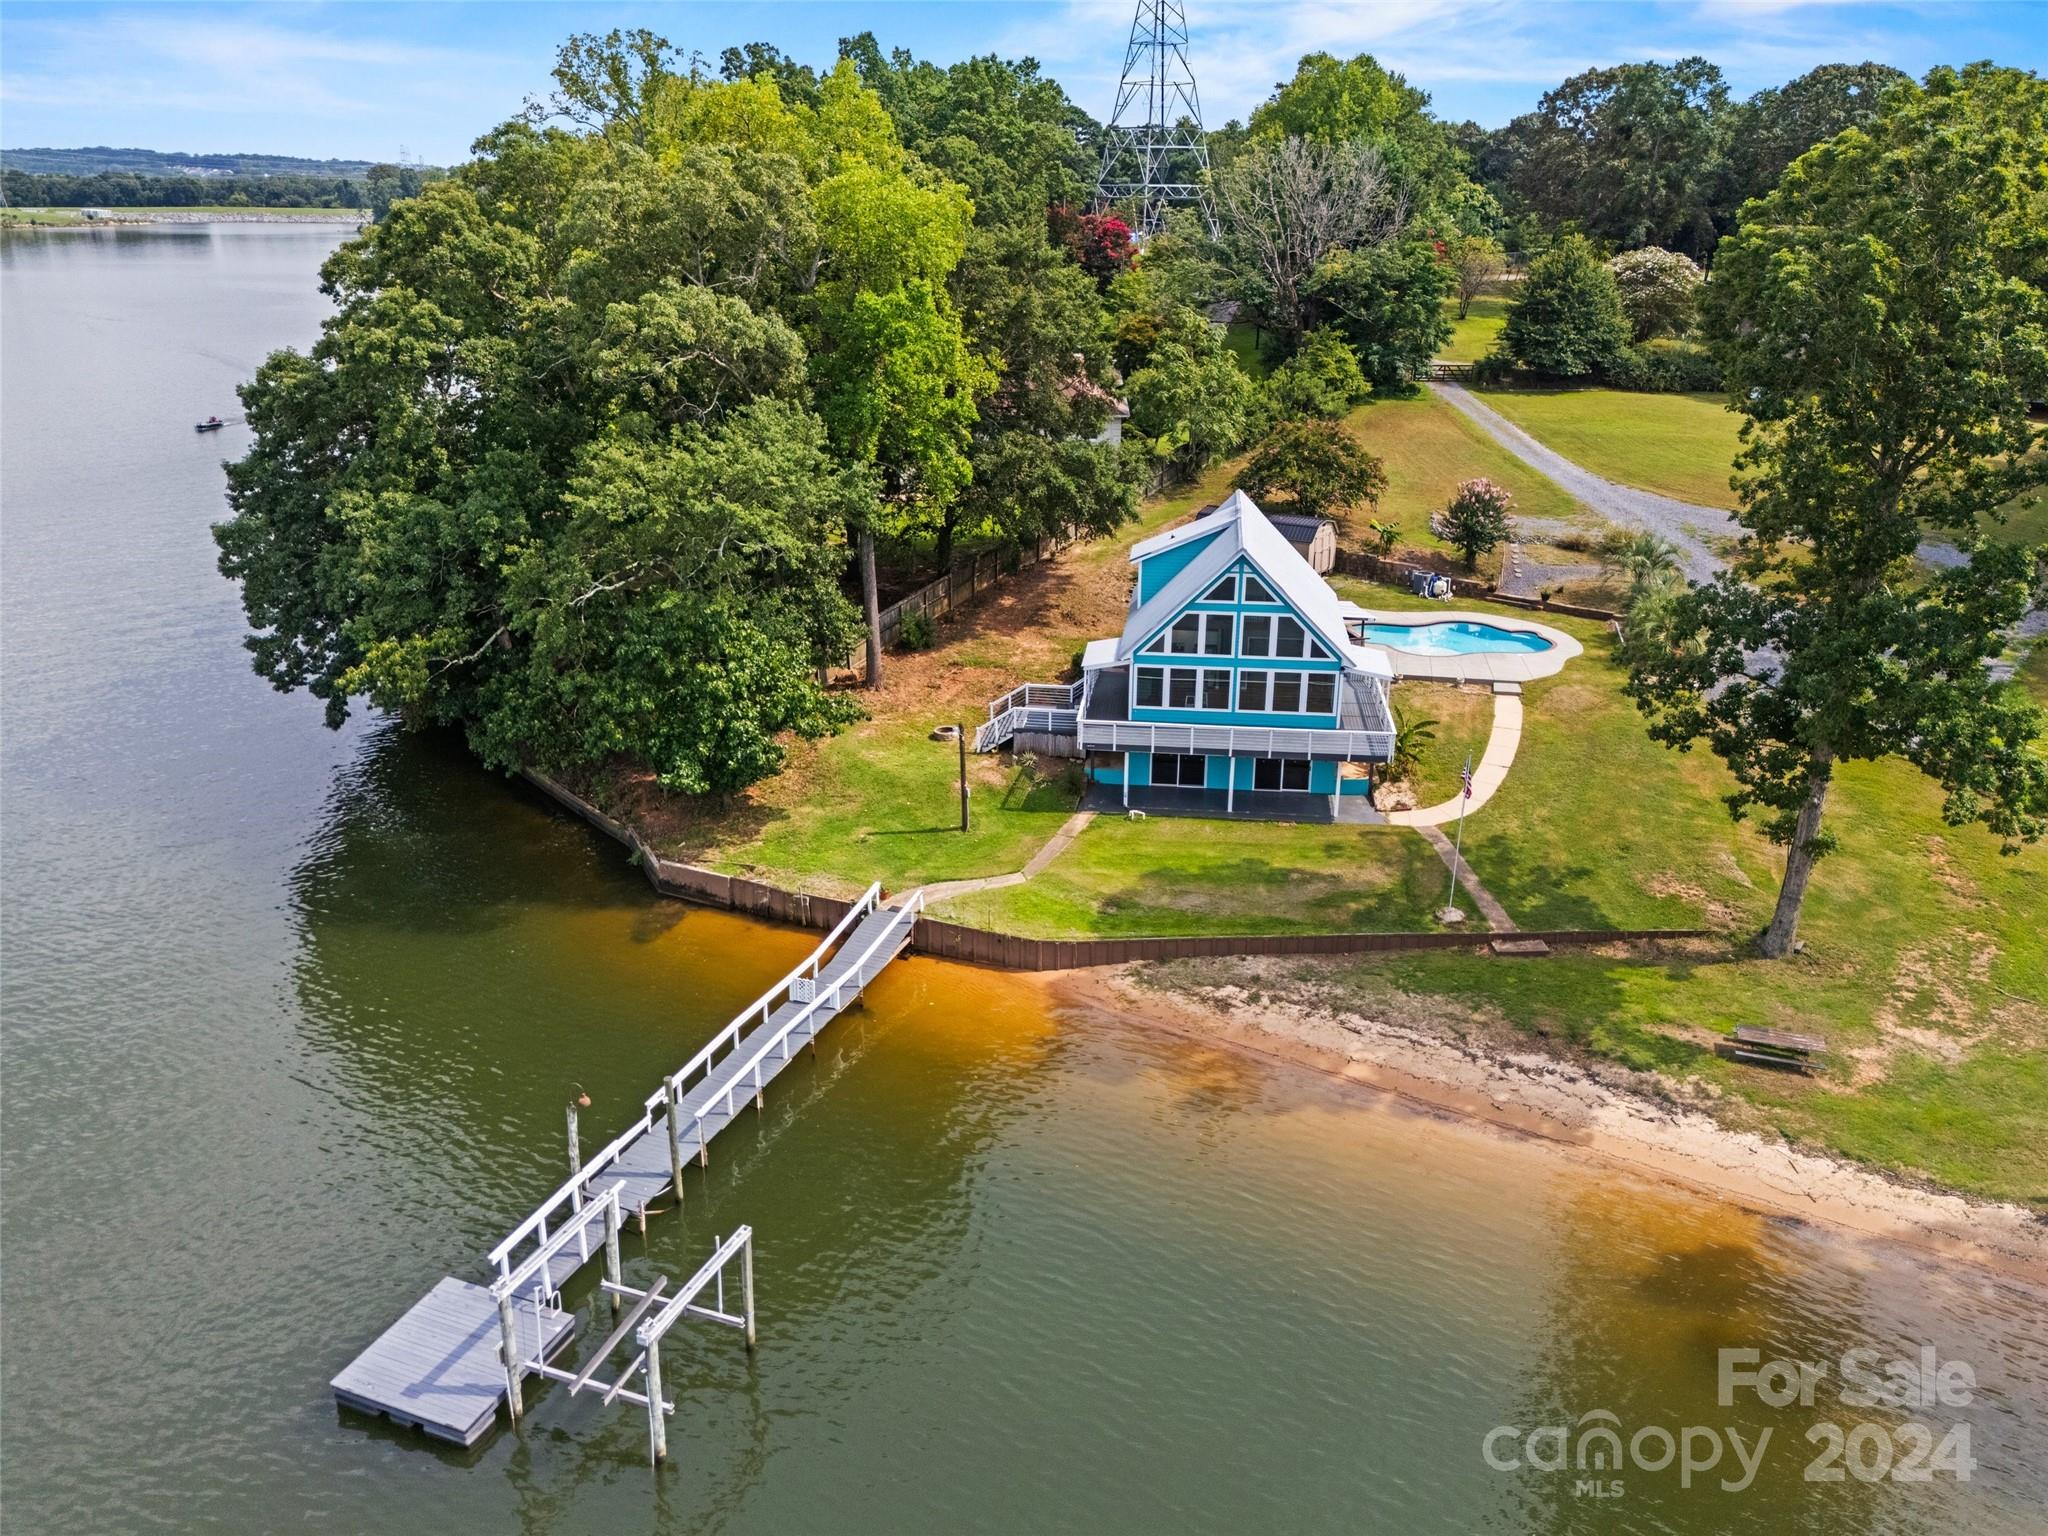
(1451, 912)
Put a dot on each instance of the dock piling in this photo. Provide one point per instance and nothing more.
(509, 1339)
(657, 1429)
(611, 1252)
(675, 1140)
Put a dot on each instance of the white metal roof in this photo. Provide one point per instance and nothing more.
(1099, 653)
(1241, 528)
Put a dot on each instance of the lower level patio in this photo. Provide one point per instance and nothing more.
(1246, 805)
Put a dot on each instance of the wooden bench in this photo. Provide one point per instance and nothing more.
(1776, 1048)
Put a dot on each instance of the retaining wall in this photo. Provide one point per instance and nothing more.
(979, 946)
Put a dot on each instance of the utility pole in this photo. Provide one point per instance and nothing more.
(1154, 153)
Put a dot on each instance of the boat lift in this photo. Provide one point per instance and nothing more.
(536, 1278)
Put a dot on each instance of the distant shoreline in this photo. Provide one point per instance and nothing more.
(131, 216)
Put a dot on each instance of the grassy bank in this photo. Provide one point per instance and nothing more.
(37, 217)
(1676, 445)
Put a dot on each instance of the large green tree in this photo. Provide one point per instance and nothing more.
(572, 463)
(1630, 153)
(1567, 319)
(1883, 320)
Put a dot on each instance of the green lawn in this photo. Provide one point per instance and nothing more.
(1172, 875)
(1428, 447)
(38, 216)
(1464, 719)
(1245, 343)
(1473, 337)
(1677, 445)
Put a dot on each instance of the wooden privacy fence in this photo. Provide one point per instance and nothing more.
(967, 579)
(979, 946)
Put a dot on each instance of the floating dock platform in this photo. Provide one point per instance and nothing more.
(438, 1368)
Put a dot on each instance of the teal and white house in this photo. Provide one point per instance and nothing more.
(1236, 688)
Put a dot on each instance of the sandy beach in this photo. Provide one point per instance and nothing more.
(1596, 1110)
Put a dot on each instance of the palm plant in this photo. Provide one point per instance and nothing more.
(1644, 557)
(1411, 739)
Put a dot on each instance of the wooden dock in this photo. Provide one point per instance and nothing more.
(462, 1350)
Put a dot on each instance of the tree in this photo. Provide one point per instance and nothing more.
(1476, 262)
(1190, 402)
(1318, 466)
(1289, 206)
(1567, 319)
(554, 472)
(1356, 101)
(1388, 302)
(1476, 519)
(1659, 291)
(1322, 379)
(1774, 128)
(1100, 243)
(1630, 153)
(897, 380)
(1645, 558)
(1883, 320)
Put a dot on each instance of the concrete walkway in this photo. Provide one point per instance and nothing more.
(1055, 845)
(1488, 774)
(1495, 914)
(1689, 527)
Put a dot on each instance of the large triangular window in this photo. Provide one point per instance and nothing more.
(1256, 591)
(1225, 591)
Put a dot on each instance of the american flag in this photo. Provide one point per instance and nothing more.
(1465, 777)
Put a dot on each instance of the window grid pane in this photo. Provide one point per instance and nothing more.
(1288, 636)
(1322, 693)
(1187, 634)
(1286, 693)
(1251, 692)
(1258, 634)
(1217, 634)
(1225, 591)
(1180, 688)
(1150, 687)
(1255, 591)
(1215, 690)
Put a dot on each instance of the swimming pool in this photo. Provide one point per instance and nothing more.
(1452, 638)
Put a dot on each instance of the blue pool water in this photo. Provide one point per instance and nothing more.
(1451, 638)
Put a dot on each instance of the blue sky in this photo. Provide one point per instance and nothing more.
(370, 80)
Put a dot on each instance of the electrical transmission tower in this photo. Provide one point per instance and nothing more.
(1154, 154)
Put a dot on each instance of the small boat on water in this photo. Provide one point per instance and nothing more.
(211, 424)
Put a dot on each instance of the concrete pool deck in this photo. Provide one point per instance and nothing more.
(1476, 666)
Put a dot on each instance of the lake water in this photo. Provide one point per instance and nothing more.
(291, 1015)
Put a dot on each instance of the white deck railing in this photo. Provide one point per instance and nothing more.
(1050, 707)
(572, 1193)
(1234, 740)
(747, 1074)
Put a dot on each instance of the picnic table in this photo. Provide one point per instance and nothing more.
(1776, 1047)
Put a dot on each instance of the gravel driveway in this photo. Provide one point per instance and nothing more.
(1687, 526)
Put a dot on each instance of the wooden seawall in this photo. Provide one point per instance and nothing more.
(1009, 951)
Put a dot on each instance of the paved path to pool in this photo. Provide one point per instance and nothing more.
(1488, 774)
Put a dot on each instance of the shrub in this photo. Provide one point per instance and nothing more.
(1322, 379)
(918, 632)
(1476, 519)
(1494, 368)
(1670, 370)
(1567, 320)
(1660, 291)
